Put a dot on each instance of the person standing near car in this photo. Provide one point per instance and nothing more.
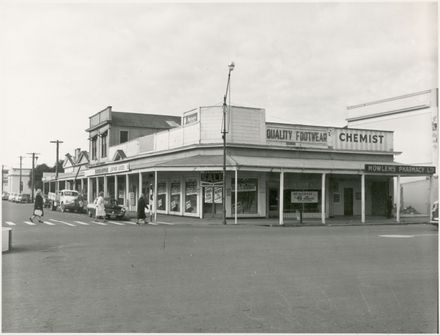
(38, 207)
(141, 209)
(100, 208)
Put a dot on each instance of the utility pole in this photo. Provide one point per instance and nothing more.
(56, 163)
(20, 187)
(3, 172)
(33, 167)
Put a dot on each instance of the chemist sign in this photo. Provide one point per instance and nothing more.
(399, 169)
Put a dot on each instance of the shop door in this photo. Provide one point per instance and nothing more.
(379, 191)
(273, 203)
(212, 201)
(348, 201)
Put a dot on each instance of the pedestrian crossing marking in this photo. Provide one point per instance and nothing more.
(100, 223)
(129, 222)
(49, 223)
(66, 223)
(117, 223)
(30, 223)
(83, 223)
(168, 223)
(10, 223)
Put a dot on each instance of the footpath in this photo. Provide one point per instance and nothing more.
(272, 222)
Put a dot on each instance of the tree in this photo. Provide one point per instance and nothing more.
(38, 173)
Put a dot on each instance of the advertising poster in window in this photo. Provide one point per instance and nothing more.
(208, 195)
(175, 197)
(161, 196)
(191, 196)
(218, 195)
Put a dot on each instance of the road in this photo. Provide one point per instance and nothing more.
(66, 276)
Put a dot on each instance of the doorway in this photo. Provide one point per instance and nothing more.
(348, 201)
(212, 201)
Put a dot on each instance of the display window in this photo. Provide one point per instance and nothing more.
(161, 196)
(191, 196)
(247, 197)
(175, 197)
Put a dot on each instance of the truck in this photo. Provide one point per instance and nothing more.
(69, 200)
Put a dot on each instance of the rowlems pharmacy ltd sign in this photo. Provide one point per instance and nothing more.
(328, 137)
(107, 169)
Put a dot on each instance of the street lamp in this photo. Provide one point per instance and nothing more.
(231, 67)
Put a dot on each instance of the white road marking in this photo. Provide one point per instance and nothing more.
(66, 223)
(129, 222)
(10, 223)
(83, 223)
(100, 223)
(49, 223)
(117, 223)
(397, 236)
(30, 223)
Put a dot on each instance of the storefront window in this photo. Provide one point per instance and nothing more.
(161, 196)
(247, 198)
(191, 196)
(175, 197)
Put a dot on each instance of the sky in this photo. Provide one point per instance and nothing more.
(304, 63)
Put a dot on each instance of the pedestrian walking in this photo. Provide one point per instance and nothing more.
(38, 207)
(100, 208)
(141, 209)
(389, 207)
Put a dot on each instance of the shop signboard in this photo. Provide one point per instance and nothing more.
(297, 136)
(107, 169)
(304, 197)
(399, 169)
(211, 177)
(362, 140)
(190, 118)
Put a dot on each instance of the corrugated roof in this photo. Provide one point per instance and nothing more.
(144, 120)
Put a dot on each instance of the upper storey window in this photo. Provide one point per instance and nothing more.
(123, 136)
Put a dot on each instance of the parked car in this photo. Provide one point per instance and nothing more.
(112, 209)
(24, 198)
(5, 196)
(434, 213)
(16, 196)
(11, 197)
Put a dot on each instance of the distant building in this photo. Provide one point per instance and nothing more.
(414, 120)
(14, 180)
(4, 179)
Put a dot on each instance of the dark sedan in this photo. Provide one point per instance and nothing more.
(112, 209)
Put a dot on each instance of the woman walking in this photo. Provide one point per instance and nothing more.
(100, 208)
(141, 210)
(38, 207)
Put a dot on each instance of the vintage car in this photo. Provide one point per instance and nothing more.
(112, 209)
(69, 200)
(5, 196)
(434, 213)
(24, 198)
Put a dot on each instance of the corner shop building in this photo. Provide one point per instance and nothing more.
(320, 171)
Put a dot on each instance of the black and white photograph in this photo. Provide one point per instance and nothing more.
(219, 167)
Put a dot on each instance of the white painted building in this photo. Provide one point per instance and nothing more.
(14, 181)
(414, 120)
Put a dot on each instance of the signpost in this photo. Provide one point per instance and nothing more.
(303, 197)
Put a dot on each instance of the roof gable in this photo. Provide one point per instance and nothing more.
(119, 155)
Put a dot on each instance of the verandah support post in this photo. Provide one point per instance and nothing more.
(116, 188)
(323, 199)
(236, 194)
(126, 198)
(363, 198)
(105, 186)
(155, 196)
(281, 198)
(398, 200)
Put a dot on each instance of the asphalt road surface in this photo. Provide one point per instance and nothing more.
(70, 274)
